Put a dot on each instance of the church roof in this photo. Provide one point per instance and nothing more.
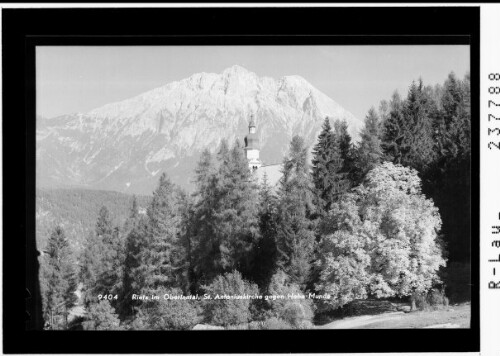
(272, 172)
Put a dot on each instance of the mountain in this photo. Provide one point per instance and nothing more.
(124, 146)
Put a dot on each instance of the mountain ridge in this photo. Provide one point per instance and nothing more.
(124, 145)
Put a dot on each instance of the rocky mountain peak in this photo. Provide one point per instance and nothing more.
(125, 145)
(236, 70)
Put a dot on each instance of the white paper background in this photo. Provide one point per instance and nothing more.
(490, 181)
(489, 158)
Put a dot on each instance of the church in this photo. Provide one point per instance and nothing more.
(252, 151)
(252, 148)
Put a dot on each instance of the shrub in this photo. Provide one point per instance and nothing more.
(436, 298)
(305, 324)
(226, 312)
(293, 311)
(297, 313)
(101, 316)
(260, 310)
(420, 300)
(433, 299)
(275, 324)
(168, 314)
(255, 325)
(237, 327)
(138, 323)
(446, 301)
(76, 323)
(174, 314)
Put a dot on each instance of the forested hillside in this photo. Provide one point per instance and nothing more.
(75, 210)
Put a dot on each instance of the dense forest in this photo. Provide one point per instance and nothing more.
(387, 217)
(75, 210)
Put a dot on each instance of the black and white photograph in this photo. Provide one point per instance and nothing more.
(226, 187)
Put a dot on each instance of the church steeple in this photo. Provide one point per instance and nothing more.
(252, 146)
(251, 125)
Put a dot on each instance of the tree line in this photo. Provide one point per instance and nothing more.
(375, 219)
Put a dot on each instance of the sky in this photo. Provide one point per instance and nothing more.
(81, 78)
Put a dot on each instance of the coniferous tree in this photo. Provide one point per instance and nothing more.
(204, 174)
(223, 158)
(448, 180)
(408, 131)
(328, 167)
(383, 113)
(59, 281)
(394, 128)
(133, 279)
(184, 253)
(345, 145)
(104, 226)
(225, 214)
(417, 146)
(158, 255)
(320, 161)
(113, 257)
(430, 131)
(265, 253)
(370, 152)
(452, 100)
(452, 125)
(154, 249)
(203, 243)
(295, 239)
(465, 85)
(133, 216)
(91, 267)
(236, 216)
(102, 259)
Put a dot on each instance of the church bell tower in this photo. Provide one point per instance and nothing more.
(252, 149)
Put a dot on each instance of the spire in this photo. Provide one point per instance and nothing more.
(252, 121)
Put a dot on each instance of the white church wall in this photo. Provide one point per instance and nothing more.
(252, 154)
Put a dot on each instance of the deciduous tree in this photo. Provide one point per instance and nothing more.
(382, 240)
